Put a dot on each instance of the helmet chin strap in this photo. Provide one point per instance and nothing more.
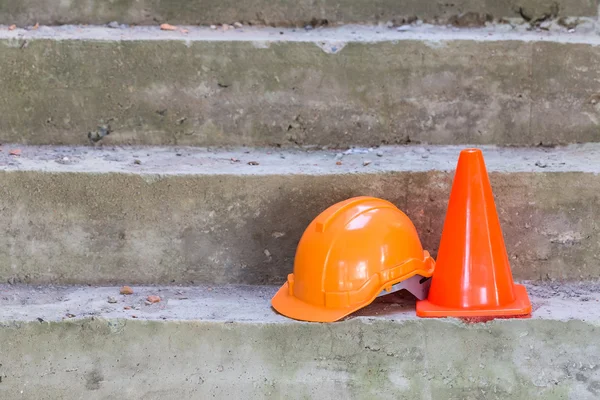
(417, 285)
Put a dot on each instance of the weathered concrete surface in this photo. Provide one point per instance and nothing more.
(392, 356)
(334, 87)
(204, 216)
(279, 12)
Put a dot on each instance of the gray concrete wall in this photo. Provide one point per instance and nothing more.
(279, 12)
(204, 89)
(213, 220)
(358, 359)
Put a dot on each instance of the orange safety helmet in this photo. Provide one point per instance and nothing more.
(348, 255)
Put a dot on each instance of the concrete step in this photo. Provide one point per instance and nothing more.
(226, 342)
(280, 12)
(354, 85)
(82, 215)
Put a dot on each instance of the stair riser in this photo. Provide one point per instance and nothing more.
(264, 94)
(280, 12)
(516, 359)
(112, 228)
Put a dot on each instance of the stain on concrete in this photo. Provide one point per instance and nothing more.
(93, 379)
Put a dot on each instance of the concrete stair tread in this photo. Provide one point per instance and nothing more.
(268, 161)
(242, 303)
(340, 35)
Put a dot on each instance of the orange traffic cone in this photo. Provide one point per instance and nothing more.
(472, 276)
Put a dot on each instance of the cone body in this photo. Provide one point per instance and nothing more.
(347, 256)
(473, 276)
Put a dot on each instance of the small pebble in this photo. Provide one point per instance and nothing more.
(126, 308)
(238, 25)
(308, 27)
(380, 154)
(541, 164)
(253, 163)
(126, 290)
(138, 162)
(213, 27)
(365, 163)
(425, 156)
(153, 299)
(168, 27)
(112, 300)
(113, 25)
(225, 27)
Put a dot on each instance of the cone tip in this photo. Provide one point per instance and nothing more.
(471, 151)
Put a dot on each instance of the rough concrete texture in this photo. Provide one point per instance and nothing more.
(554, 355)
(196, 216)
(335, 87)
(278, 12)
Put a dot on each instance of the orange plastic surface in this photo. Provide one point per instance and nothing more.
(347, 256)
(473, 276)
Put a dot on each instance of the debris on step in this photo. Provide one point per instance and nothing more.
(153, 299)
(238, 25)
(99, 134)
(127, 308)
(127, 290)
(15, 152)
(112, 300)
(356, 151)
(113, 25)
(253, 163)
(12, 27)
(137, 162)
(69, 315)
(168, 27)
(541, 164)
(366, 162)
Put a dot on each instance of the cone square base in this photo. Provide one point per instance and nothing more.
(521, 306)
